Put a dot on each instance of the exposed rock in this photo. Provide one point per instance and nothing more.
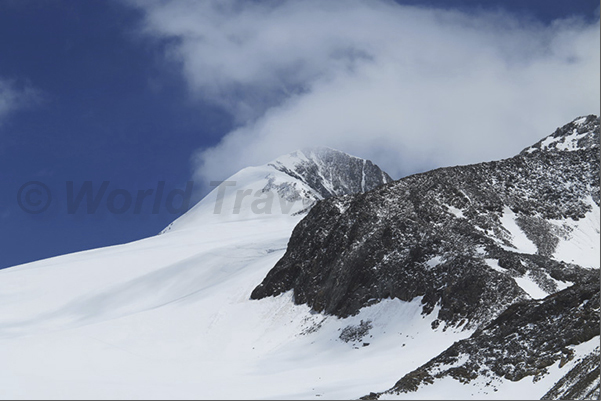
(439, 235)
(525, 340)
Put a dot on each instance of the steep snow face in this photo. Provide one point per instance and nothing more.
(287, 186)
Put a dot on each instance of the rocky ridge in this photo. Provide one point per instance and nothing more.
(485, 244)
(445, 235)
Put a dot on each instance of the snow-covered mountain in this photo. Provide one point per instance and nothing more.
(316, 276)
(289, 185)
(171, 317)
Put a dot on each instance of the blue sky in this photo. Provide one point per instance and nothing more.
(139, 92)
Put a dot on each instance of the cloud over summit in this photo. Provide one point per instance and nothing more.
(410, 88)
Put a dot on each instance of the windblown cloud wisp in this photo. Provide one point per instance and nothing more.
(409, 88)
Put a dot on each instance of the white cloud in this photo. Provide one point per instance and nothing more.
(410, 88)
(14, 97)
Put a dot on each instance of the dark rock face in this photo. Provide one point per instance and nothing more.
(435, 234)
(321, 173)
(523, 341)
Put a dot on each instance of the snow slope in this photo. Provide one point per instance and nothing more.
(581, 239)
(170, 317)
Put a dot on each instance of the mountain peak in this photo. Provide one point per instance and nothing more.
(289, 185)
(330, 172)
(581, 133)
